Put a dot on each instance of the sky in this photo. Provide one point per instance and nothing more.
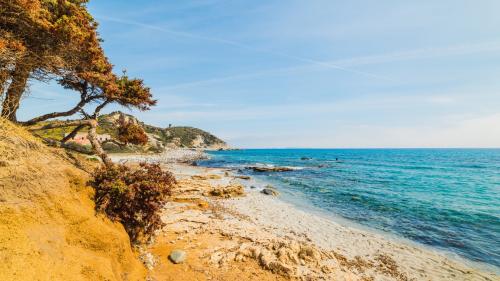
(301, 73)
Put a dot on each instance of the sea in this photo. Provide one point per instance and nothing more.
(448, 199)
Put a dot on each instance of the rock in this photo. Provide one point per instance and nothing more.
(177, 256)
(232, 190)
(243, 177)
(305, 158)
(206, 177)
(253, 187)
(270, 191)
(269, 169)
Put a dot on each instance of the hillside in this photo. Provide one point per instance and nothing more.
(48, 225)
(158, 138)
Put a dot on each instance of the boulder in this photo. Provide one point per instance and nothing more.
(177, 256)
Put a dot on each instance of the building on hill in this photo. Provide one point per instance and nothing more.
(82, 138)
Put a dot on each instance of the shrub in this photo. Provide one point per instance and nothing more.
(132, 133)
(133, 197)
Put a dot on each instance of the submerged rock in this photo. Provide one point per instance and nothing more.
(177, 256)
(305, 158)
(270, 169)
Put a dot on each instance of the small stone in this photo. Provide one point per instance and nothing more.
(177, 256)
(270, 191)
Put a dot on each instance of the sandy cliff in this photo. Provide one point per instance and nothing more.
(48, 227)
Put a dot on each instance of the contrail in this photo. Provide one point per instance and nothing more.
(415, 54)
(243, 46)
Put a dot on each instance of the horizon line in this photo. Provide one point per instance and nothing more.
(360, 148)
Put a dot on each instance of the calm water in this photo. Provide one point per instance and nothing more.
(446, 198)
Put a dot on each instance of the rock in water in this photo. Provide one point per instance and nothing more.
(177, 256)
(270, 169)
(270, 191)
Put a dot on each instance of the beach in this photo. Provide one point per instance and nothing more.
(230, 230)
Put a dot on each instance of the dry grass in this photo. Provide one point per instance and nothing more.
(48, 227)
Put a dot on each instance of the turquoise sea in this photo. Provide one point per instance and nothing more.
(443, 198)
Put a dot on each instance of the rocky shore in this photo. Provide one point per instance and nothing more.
(226, 228)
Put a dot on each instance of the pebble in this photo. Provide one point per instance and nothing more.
(177, 256)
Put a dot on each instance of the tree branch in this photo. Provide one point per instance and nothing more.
(92, 135)
(73, 133)
(114, 141)
(55, 143)
(70, 112)
(63, 124)
(100, 107)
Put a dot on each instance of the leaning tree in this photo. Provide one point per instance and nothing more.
(43, 39)
(97, 90)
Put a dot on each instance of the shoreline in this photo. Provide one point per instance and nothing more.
(275, 233)
(345, 222)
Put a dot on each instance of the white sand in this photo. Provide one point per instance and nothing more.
(264, 219)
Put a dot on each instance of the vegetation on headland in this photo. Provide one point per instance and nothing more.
(154, 139)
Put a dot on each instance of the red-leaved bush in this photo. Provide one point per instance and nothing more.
(132, 133)
(133, 196)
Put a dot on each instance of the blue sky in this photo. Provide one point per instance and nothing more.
(309, 73)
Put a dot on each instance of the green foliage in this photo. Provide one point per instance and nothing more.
(186, 135)
(133, 197)
(57, 133)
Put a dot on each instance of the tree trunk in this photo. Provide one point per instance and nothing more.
(4, 76)
(92, 136)
(14, 93)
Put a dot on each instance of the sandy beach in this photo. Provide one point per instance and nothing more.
(230, 230)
